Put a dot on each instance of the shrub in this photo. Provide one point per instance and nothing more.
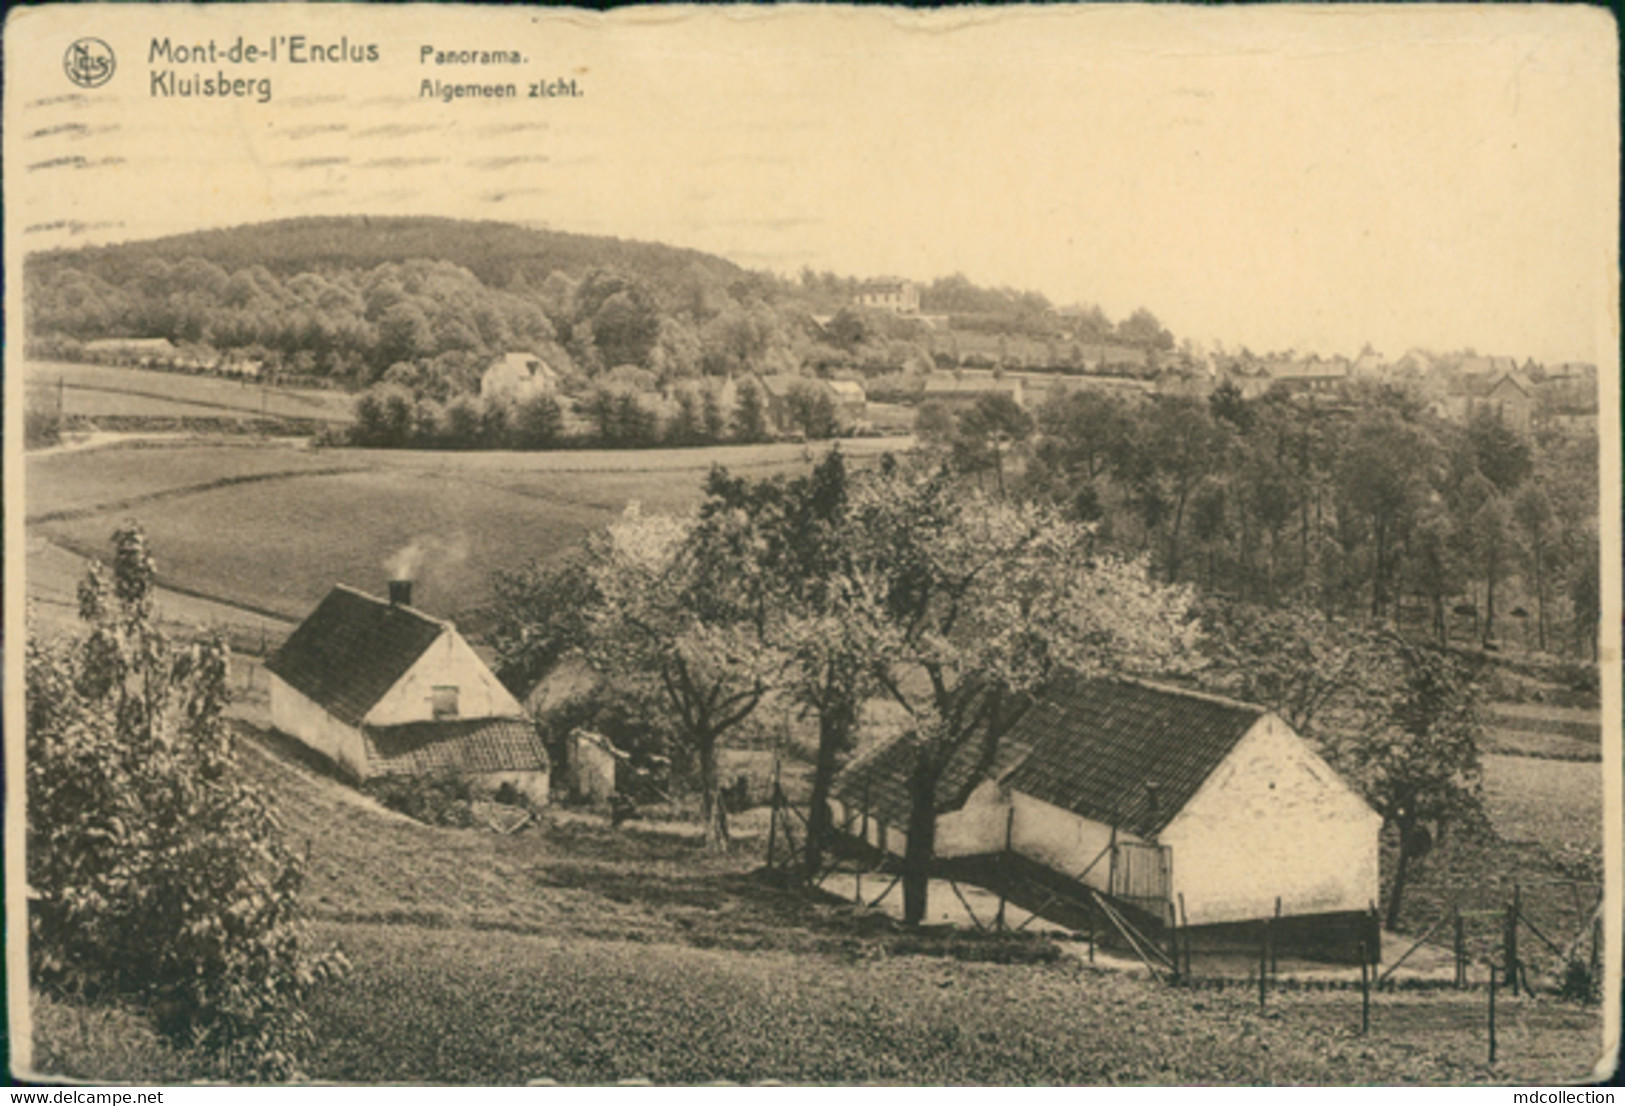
(428, 418)
(812, 410)
(464, 422)
(159, 876)
(42, 427)
(496, 424)
(750, 415)
(385, 416)
(538, 422)
(444, 800)
(1578, 985)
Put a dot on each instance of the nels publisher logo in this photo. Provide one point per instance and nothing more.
(89, 63)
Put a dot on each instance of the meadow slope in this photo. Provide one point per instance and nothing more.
(273, 525)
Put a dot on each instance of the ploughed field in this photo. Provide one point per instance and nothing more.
(272, 526)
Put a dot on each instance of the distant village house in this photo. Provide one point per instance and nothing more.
(518, 376)
(902, 297)
(848, 398)
(130, 351)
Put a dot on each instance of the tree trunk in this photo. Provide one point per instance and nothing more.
(1173, 537)
(922, 842)
(712, 816)
(1396, 895)
(819, 824)
(1489, 609)
(1379, 559)
(1540, 597)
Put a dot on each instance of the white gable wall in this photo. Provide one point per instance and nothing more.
(978, 827)
(1273, 820)
(302, 718)
(449, 661)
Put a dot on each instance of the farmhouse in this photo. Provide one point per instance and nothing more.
(1154, 796)
(518, 376)
(380, 689)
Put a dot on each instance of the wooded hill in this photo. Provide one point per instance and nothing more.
(502, 255)
(352, 299)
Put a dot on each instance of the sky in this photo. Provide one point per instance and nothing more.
(1272, 177)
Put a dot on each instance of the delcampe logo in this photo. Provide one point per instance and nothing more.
(89, 63)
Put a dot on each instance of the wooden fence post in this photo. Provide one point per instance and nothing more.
(1365, 987)
(1091, 932)
(1492, 1013)
(1273, 927)
(1173, 937)
(1004, 868)
(1461, 952)
(1263, 960)
(1511, 972)
(773, 821)
(864, 831)
(1185, 926)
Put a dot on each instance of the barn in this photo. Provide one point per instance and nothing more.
(1157, 797)
(380, 688)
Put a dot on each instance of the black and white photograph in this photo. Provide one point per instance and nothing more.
(800, 545)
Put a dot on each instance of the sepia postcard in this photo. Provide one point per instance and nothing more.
(1070, 545)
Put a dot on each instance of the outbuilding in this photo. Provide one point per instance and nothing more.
(380, 688)
(1155, 796)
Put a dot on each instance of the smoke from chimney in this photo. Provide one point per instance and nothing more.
(422, 559)
(404, 564)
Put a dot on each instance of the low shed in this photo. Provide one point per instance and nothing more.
(1150, 794)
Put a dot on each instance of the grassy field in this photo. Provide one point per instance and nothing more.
(573, 952)
(508, 1008)
(1539, 730)
(95, 390)
(1546, 818)
(1553, 803)
(122, 477)
(581, 954)
(273, 526)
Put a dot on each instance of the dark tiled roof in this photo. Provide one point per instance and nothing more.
(1088, 746)
(351, 650)
(878, 780)
(1097, 743)
(455, 745)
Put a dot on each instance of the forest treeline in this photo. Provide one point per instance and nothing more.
(348, 299)
(1368, 507)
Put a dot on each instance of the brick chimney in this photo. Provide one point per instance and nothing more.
(400, 593)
